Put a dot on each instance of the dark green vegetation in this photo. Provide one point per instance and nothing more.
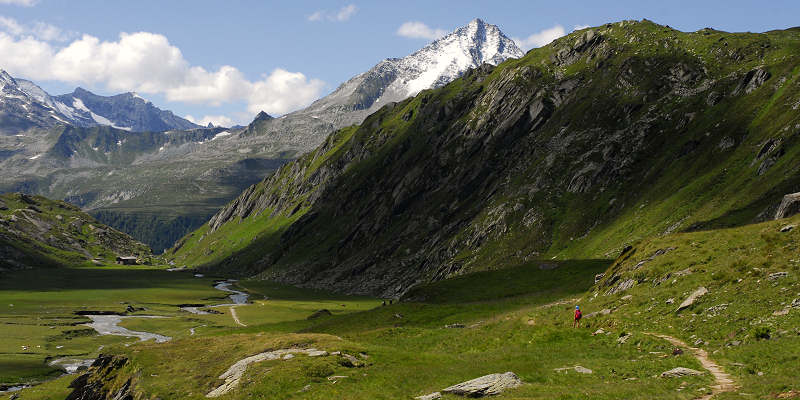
(602, 138)
(35, 232)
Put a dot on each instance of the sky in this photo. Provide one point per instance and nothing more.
(224, 61)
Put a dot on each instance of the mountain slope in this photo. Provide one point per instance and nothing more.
(604, 137)
(24, 105)
(37, 232)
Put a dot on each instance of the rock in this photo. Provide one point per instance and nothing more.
(680, 372)
(621, 287)
(582, 370)
(604, 311)
(777, 275)
(598, 332)
(398, 316)
(432, 396)
(677, 351)
(790, 205)
(319, 313)
(487, 385)
(670, 300)
(700, 292)
(350, 361)
(626, 297)
(699, 342)
(796, 302)
(317, 353)
(598, 277)
(452, 326)
(288, 356)
(734, 343)
(624, 338)
(787, 228)
(547, 266)
(781, 312)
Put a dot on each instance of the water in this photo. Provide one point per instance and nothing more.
(236, 296)
(108, 325)
(71, 365)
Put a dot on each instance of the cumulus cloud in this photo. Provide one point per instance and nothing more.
(24, 3)
(147, 63)
(39, 30)
(342, 15)
(541, 38)
(217, 120)
(418, 30)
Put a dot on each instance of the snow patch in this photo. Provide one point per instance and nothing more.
(34, 157)
(221, 134)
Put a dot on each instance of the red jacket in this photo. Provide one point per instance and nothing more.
(578, 314)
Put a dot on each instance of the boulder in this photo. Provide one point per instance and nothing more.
(700, 292)
(432, 396)
(604, 311)
(787, 228)
(486, 385)
(680, 372)
(624, 338)
(790, 205)
(582, 370)
(796, 302)
(777, 275)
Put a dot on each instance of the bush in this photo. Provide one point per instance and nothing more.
(761, 332)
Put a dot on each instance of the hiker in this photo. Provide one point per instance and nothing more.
(578, 316)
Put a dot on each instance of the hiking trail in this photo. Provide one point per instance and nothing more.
(724, 381)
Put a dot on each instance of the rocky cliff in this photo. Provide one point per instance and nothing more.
(604, 137)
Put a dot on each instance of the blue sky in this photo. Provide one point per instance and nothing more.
(229, 59)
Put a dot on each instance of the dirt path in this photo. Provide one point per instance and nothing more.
(725, 382)
(236, 317)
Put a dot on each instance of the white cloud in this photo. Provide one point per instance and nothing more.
(39, 30)
(418, 30)
(217, 120)
(24, 3)
(342, 15)
(541, 38)
(147, 63)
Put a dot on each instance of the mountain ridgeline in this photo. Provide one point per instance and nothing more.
(604, 137)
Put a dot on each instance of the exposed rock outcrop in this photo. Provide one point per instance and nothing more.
(487, 385)
(790, 205)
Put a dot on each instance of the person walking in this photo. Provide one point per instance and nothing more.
(578, 316)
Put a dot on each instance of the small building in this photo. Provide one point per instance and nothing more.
(129, 260)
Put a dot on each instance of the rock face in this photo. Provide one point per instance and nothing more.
(700, 292)
(790, 205)
(97, 383)
(680, 372)
(487, 385)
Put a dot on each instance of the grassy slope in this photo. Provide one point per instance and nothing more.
(680, 180)
(516, 319)
(67, 226)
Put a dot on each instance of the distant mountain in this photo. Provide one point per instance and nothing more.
(127, 111)
(391, 80)
(24, 105)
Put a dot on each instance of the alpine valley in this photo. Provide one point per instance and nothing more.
(615, 214)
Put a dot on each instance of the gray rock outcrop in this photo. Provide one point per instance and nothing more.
(486, 385)
(700, 292)
(790, 205)
(680, 372)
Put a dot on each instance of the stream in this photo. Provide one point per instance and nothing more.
(108, 325)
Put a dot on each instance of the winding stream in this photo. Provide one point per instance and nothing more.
(109, 325)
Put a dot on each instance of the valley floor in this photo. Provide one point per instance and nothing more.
(517, 319)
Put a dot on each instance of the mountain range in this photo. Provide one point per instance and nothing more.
(24, 105)
(157, 176)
